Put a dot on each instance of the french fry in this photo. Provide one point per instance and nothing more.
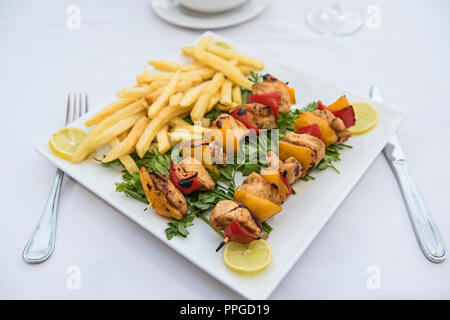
(225, 92)
(86, 146)
(115, 130)
(206, 122)
(204, 73)
(213, 101)
(139, 92)
(221, 107)
(182, 86)
(165, 65)
(231, 54)
(185, 85)
(245, 70)
(203, 42)
(201, 106)
(182, 136)
(127, 145)
(108, 110)
(175, 99)
(164, 97)
(126, 160)
(190, 67)
(187, 51)
(199, 109)
(222, 65)
(149, 77)
(193, 129)
(151, 98)
(192, 94)
(155, 125)
(237, 95)
(178, 122)
(163, 140)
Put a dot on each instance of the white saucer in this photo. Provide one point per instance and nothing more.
(171, 12)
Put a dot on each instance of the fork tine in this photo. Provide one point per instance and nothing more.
(74, 113)
(68, 109)
(86, 107)
(80, 103)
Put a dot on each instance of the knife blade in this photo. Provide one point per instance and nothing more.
(426, 231)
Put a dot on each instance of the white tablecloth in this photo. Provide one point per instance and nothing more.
(41, 61)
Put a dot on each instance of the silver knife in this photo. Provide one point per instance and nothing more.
(427, 233)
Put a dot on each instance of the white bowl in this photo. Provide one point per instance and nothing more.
(211, 6)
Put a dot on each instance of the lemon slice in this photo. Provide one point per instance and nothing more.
(366, 117)
(248, 257)
(64, 142)
(224, 44)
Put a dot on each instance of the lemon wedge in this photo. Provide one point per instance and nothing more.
(248, 257)
(64, 142)
(366, 117)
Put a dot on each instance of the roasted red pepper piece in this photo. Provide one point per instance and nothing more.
(312, 130)
(235, 232)
(285, 180)
(241, 115)
(186, 181)
(347, 114)
(271, 99)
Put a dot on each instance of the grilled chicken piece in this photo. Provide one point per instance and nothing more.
(227, 211)
(308, 141)
(272, 84)
(259, 186)
(335, 123)
(210, 152)
(259, 115)
(192, 164)
(225, 121)
(162, 194)
(291, 167)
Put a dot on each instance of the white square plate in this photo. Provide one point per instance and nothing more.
(303, 215)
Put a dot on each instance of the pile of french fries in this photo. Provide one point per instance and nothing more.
(151, 113)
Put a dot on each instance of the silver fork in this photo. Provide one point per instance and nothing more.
(42, 242)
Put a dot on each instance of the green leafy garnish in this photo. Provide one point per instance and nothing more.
(332, 155)
(285, 122)
(179, 227)
(131, 186)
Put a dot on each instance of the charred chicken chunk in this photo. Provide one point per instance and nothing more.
(335, 123)
(259, 186)
(227, 211)
(308, 141)
(258, 115)
(165, 198)
(272, 84)
(209, 152)
(291, 167)
(192, 164)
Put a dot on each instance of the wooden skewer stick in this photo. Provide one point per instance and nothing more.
(224, 241)
(149, 205)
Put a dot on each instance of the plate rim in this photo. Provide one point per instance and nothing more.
(209, 25)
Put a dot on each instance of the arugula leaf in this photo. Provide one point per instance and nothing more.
(179, 227)
(213, 114)
(131, 186)
(285, 122)
(332, 155)
(254, 77)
